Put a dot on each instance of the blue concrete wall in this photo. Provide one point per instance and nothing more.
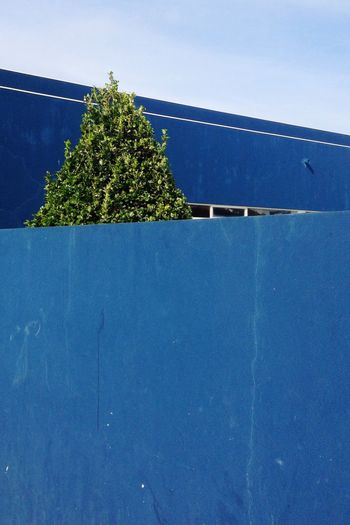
(192, 373)
(216, 157)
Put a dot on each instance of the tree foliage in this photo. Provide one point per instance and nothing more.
(117, 172)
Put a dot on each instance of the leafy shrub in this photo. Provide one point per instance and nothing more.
(117, 172)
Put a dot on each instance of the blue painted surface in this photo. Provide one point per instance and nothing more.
(192, 373)
(37, 84)
(211, 163)
(33, 130)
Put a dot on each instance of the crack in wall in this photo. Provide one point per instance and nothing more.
(253, 367)
(98, 367)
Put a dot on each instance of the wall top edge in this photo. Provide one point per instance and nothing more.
(71, 91)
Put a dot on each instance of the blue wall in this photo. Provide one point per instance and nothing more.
(211, 161)
(192, 373)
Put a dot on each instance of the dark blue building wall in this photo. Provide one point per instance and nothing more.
(176, 373)
(216, 157)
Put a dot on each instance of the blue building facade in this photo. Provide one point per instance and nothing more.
(176, 373)
(216, 158)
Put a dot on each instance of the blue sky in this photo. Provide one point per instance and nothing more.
(285, 60)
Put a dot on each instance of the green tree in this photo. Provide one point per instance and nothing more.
(117, 172)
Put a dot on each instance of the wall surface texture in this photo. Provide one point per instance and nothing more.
(179, 373)
(216, 158)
